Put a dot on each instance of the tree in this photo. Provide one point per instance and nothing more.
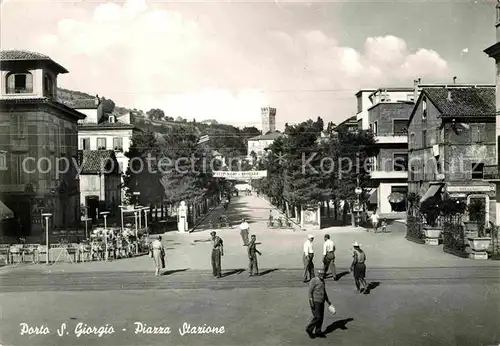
(155, 114)
(108, 105)
(143, 174)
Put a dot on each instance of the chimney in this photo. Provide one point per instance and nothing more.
(416, 82)
(97, 100)
(455, 80)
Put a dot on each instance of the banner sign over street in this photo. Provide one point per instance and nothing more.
(240, 175)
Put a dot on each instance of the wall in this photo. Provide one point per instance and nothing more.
(385, 113)
(385, 158)
(91, 116)
(365, 104)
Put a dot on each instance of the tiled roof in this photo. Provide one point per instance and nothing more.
(44, 100)
(107, 125)
(25, 55)
(98, 161)
(463, 101)
(21, 55)
(81, 103)
(267, 136)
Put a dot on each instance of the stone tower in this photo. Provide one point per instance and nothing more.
(268, 119)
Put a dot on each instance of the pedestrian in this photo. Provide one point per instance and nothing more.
(329, 256)
(308, 256)
(158, 254)
(271, 218)
(375, 219)
(359, 268)
(384, 226)
(317, 299)
(245, 228)
(217, 253)
(253, 268)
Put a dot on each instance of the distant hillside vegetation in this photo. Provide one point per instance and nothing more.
(229, 140)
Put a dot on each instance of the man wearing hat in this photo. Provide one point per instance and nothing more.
(308, 255)
(217, 253)
(317, 299)
(358, 267)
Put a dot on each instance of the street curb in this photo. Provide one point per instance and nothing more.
(296, 225)
(203, 218)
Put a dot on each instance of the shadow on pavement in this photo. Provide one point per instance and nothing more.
(341, 275)
(236, 271)
(340, 324)
(267, 271)
(371, 286)
(169, 272)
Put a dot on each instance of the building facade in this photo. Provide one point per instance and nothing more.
(107, 132)
(451, 141)
(494, 52)
(350, 125)
(256, 146)
(100, 182)
(38, 143)
(389, 175)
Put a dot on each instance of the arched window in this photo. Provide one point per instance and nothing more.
(48, 86)
(19, 83)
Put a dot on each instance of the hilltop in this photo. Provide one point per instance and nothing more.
(229, 140)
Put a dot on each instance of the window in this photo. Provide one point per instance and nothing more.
(400, 189)
(424, 138)
(477, 170)
(85, 143)
(375, 128)
(424, 108)
(412, 143)
(111, 119)
(48, 86)
(400, 127)
(118, 144)
(101, 143)
(475, 133)
(3, 160)
(19, 83)
(400, 162)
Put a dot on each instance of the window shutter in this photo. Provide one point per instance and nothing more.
(29, 82)
(11, 83)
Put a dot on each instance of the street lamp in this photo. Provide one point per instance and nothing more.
(105, 215)
(136, 235)
(139, 209)
(145, 209)
(47, 216)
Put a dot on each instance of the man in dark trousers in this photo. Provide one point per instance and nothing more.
(217, 253)
(317, 299)
(253, 268)
(359, 268)
(308, 256)
(329, 256)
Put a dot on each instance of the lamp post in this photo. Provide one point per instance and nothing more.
(47, 216)
(145, 209)
(139, 210)
(358, 190)
(136, 235)
(105, 215)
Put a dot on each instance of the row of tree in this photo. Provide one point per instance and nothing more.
(311, 164)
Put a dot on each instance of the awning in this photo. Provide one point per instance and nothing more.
(373, 196)
(431, 191)
(5, 212)
(396, 197)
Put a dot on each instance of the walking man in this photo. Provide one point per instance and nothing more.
(245, 228)
(253, 268)
(217, 253)
(317, 299)
(375, 218)
(329, 256)
(308, 255)
(359, 268)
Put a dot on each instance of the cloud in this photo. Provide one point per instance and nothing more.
(149, 57)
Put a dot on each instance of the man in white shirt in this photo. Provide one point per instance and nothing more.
(245, 228)
(308, 255)
(375, 219)
(329, 256)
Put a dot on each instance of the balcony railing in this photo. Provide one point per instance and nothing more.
(399, 137)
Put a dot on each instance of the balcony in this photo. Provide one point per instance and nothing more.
(392, 138)
(389, 175)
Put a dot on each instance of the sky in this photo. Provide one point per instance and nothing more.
(225, 60)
